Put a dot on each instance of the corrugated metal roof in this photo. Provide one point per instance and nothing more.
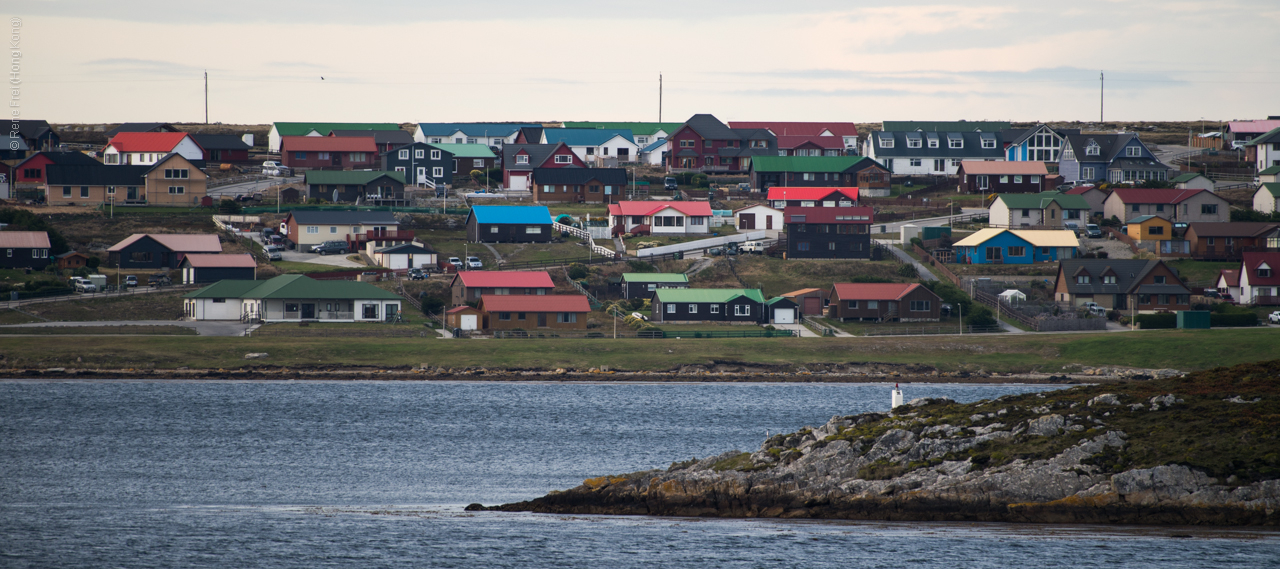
(606, 176)
(181, 243)
(585, 136)
(225, 289)
(872, 291)
(1035, 237)
(24, 239)
(649, 208)
(204, 260)
(811, 163)
(640, 128)
(490, 129)
(1004, 168)
(352, 177)
(780, 129)
(539, 215)
(466, 150)
(508, 279)
(309, 217)
(328, 144)
(534, 303)
(781, 193)
(655, 277)
(707, 294)
(303, 287)
(324, 128)
(1273, 187)
(824, 142)
(147, 141)
(1042, 200)
(1156, 196)
(800, 292)
(1270, 171)
(939, 126)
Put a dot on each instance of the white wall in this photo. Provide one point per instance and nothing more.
(1263, 201)
(207, 309)
(761, 212)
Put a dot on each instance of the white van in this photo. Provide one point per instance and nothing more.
(756, 247)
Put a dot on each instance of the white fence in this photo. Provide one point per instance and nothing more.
(584, 235)
(702, 244)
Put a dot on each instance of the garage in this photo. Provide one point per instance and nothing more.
(463, 318)
(519, 182)
(784, 316)
(782, 310)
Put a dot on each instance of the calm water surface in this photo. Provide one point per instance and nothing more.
(373, 474)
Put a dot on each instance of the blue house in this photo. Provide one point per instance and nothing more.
(1016, 246)
(1039, 143)
(1113, 158)
(509, 224)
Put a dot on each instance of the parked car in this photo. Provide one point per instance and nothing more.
(1238, 144)
(330, 247)
(1073, 226)
(456, 262)
(159, 279)
(1095, 309)
(1092, 231)
(1274, 317)
(82, 284)
(273, 168)
(474, 263)
(416, 274)
(130, 281)
(273, 252)
(756, 247)
(1212, 293)
(669, 184)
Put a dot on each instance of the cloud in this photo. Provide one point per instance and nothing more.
(128, 65)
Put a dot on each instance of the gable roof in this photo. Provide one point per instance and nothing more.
(328, 144)
(500, 279)
(525, 214)
(147, 141)
(585, 136)
(534, 303)
(1145, 218)
(61, 157)
(490, 129)
(325, 128)
(709, 127)
(220, 142)
(806, 193)
(1042, 200)
(781, 129)
(1017, 136)
(947, 126)
(707, 294)
(349, 177)
(96, 174)
(141, 127)
(1252, 126)
(970, 147)
(873, 291)
(177, 242)
(24, 239)
(1272, 135)
(405, 249)
(1187, 177)
(655, 277)
(342, 217)
(401, 137)
(606, 176)
(800, 292)
(1003, 168)
(650, 208)
(824, 142)
(465, 150)
(302, 286)
(636, 128)
(811, 163)
(538, 155)
(1081, 190)
(1128, 272)
(1156, 196)
(1033, 237)
(205, 260)
(1271, 171)
(655, 145)
(1231, 276)
(1272, 187)
(1232, 228)
(33, 128)
(1251, 262)
(226, 288)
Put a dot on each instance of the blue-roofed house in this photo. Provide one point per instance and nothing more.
(1016, 246)
(488, 134)
(509, 224)
(595, 145)
(654, 153)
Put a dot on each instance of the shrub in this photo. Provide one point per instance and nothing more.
(1154, 321)
(93, 262)
(908, 271)
(1233, 320)
(577, 271)
(228, 207)
(638, 266)
(980, 316)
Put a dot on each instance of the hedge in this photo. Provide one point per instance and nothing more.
(1233, 319)
(1161, 320)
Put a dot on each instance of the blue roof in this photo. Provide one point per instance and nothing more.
(585, 136)
(512, 214)
(655, 144)
(472, 128)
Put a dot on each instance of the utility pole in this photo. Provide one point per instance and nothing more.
(206, 97)
(1102, 96)
(659, 97)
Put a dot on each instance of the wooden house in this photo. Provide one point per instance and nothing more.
(223, 147)
(366, 187)
(578, 185)
(160, 251)
(1149, 228)
(861, 172)
(1042, 210)
(469, 286)
(731, 305)
(207, 268)
(982, 177)
(1260, 279)
(902, 302)
(329, 152)
(24, 250)
(660, 217)
(305, 228)
(519, 161)
(643, 285)
(421, 164)
(292, 298)
(534, 313)
(1228, 241)
(1121, 284)
(147, 148)
(704, 144)
(72, 260)
(812, 301)
(1016, 246)
(509, 224)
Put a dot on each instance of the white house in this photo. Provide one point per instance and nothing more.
(291, 298)
(595, 144)
(923, 153)
(1267, 149)
(1267, 198)
(405, 256)
(652, 154)
(1259, 278)
(1193, 181)
(660, 217)
(758, 216)
(488, 134)
(148, 148)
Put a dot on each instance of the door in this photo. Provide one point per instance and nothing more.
(812, 305)
(337, 159)
(132, 193)
(542, 319)
(308, 312)
(468, 321)
(519, 183)
(768, 221)
(746, 221)
(420, 175)
(784, 316)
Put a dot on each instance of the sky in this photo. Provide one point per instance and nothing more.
(508, 60)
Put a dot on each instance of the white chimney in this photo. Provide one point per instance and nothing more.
(248, 139)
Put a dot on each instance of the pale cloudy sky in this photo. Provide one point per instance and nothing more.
(499, 60)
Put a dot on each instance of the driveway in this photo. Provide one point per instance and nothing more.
(247, 188)
(924, 271)
(896, 227)
(224, 328)
(300, 256)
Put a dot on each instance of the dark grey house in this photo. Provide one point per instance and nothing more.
(643, 285)
(160, 251)
(578, 185)
(24, 249)
(367, 187)
(206, 268)
(745, 305)
(509, 224)
(421, 164)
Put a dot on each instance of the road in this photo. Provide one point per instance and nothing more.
(301, 256)
(246, 188)
(896, 227)
(924, 271)
(206, 328)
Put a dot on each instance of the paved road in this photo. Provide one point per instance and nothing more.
(301, 256)
(201, 328)
(924, 271)
(895, 228)
(233, 190)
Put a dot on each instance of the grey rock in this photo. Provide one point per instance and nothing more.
(1045, 426)
(1105, 399)
(256, 355)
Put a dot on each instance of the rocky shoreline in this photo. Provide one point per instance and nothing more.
(1196, 450)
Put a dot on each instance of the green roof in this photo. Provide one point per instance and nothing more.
(294, 287)
(640, 128)
(1185, 178)
(466, 150)
(324, 128)
(1272, 171)
(946, 126)
(1042, 200)
(778, 299)
(656, 277)
(350, 177)
(1142, 218)
(806, 163)
(707, 294)
(1273, 187)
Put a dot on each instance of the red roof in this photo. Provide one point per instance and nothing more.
(147, 141)
(777, 193)
(1004, 168)
(24, 239)
(829, 214)
(462, 308)
(507, 279)
(831, 142)
(534, 303)
(327, 144)
(243, 260)
(1231, 277)
(1149, 195)
(873, 291)
(1253, 260)
(781, 129)
(1080, 190)
(182, 243)
(650, 208)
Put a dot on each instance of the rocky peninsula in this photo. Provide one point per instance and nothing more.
(1200, 449)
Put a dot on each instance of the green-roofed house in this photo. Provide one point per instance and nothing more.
(282, 129)
(1042, 210)
(1265, 149)
(871, 179)
(367, 187)
(946, 126)
(644, 133)
(1269, 176)
(468, 157)
(643, 285)
(743, 305)
(1267, 198)
(291, 298)
(1192, 181)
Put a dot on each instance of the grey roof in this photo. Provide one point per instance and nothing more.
(344, 217)
(63, 157)
(709, 127)
(945, 126)
(95, 175)
(477, 129)
(972, 145)
(14, 142)
(1128, 273)
(1021, 135)
(32, 128)
(220, 142)
(1110, 145)
(606, 176)
(1136, 164)
(538, 153)
(142, 127)
(401, 137)
(405, 249)
(444, 154)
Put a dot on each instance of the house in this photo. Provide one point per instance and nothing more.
(578, 185)
(642, 285)
(223, 147)
(820, 171)
(882, 302)
(1040, 143)
(385, 140)
(812, 301)
(36, 134)
(1244, 131)
(484, 134)
(170, 180)
(705, 144)
(519, 160)
(781, 197)
(919, 153)
(405, 256)
(1260, 279)
(509, 224)
(1149, 228)
(292, 298)
(305, 228)
(595, 145)
(1192, 181)
(160, 251)
(24, 250)
(1265, 149)
(468, 157)
(72, 260)
(470, 286)
(1269, 176)
(148, 148)
(811, 146)
(142, 127)
(365, 187)
(464, 318)
(981, 177)
(758, 216)
(30, 173)
(280, 130)
(206, 268)
(1228, 241)
(643, 133)
(1126, 285)
(846, 133)
(828, 232)
(734, 305)
(1179, 206)
(655, 154)
(1092, 195)
(14, 147)
(1016, 246)
(1267, 198)
(1045, 209)
(946, 126)
(781, 310)
(534, 312)
(1229, 282)
(329, 152)
(1112, 158)
(655, 217)
(421, 164)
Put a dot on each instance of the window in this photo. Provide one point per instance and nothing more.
(1035, 179)
(404, 154)
(520, 159)
(1133, 151)
(357, 157)
(807, 203)
(1134, 208)
(299, 155)
(437, 172)
(1155, 230)
(873, 304)
(493, 229)
(852, 304)
(436, 140)
(1004, 179)
(1208, 209)
(686, 144)
(471, 140)
(400, 169)
(706, 144)
(915, 162)
(939, 165)
(1017, 179)
(533, 230)
(1082, 279)
(564, 159)
(955, 162)
(914, 142)
(66, 191)
(919, 306)
(759, 144)
(933, 143)
(988, 143)
(176, 173)
(1159, 207)
(370, 311)
(698, 220)
(435, 155)
(1158, 279)
(1093, 149)
(109, 158)
(802, 246)
(742, 310)
(693, 309)
(955, 143)
(1087, 173)
(1017, 251)
(477, 163)
(1109, 279)
(808, 177)
(671, 309)
(715, 309)
(177, 190)
(886, 141)
(140, 257)
(84, 191)
(313, 229)
(1264, 271)
(566, 317)
(504, 316)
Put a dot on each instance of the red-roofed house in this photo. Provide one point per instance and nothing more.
(1260, 279)
(1229, 282)
(207, 268)
(660, 217)
(469, 286)
(24, 249)
(845, 132)
(147, 148)
(781, 197)
(1178, 206)
(904, 302)
(330, 152)
(159, 251)
(828, 232)
(980, 176)
(533, 312)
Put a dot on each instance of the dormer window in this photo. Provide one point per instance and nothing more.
(522, 159)
(1082, 279)
(1133, 151)
(886, 141)
(1264, 270)
(564, 159)
(1109, 279)
(988, 143)
(759, 144)
(1093, 149)
(914, 142)
(955, 142)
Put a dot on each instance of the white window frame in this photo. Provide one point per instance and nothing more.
(955, 143)
(988, 143)
(522, 159)
(566, 159)
(1133, 151)
(437, 172)
(435, 155)
(693, 309)
(419, 153)
(671, 308)
(404, 154)
(715, 309)
(914, 142)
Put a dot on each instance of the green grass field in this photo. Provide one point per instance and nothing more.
(100, 330)
(300, 267)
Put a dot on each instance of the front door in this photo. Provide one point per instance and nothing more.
(542, 319)
(132, 194)
(768, 221)
(337, 159)
(308, 312)
(420, 175)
